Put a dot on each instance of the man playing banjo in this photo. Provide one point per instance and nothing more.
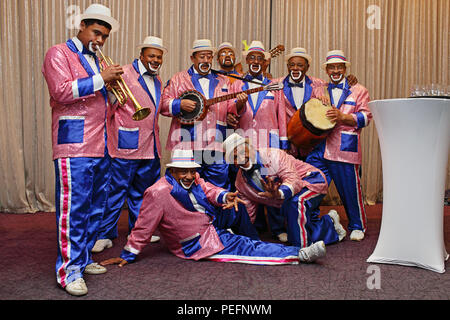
(205, 136)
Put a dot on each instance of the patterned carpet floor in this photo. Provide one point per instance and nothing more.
(28, 253)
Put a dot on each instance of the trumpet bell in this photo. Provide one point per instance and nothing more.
(141, 114)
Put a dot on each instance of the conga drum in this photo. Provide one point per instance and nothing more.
(309, 125)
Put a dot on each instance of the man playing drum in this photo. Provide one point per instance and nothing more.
(339, 155)
(298, 87)
(204, 137)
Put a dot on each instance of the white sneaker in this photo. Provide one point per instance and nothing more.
(283, 237)
(77, 287)
(313, 252)
(357, 235)
(101, 245)
(337, 224)
(94, 268)
(155, 239)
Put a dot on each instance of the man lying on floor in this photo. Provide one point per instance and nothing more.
(194, 218)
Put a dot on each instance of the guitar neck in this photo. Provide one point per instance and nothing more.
(232, 95)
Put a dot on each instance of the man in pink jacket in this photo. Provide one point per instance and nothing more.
(262, 118)
(271, 177)
(134, 146)
(204, 137)
(193, 217)
(79, 102)
(339, 155)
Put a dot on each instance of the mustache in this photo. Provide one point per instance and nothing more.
(252, 66)
(204, 64)
(296, 78)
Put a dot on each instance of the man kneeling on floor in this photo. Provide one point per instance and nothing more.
(270, 176)
(194, 218)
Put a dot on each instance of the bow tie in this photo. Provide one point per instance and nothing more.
(86, 51)
(336, 86)
(250, 77)
(299, 85)
(208, 76)
(146, 73)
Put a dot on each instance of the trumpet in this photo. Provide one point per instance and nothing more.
(123, 92)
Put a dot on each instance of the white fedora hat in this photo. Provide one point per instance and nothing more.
(100, 12)
(202, 45)
(231, 143)
(298, 52)
(335, 56)
(153, 42)
(183, 159)
(256, 46)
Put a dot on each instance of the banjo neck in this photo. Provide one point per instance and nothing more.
(230, 96)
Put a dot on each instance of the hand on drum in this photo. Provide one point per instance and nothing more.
(188, 105)
(335, 115)
(272, 189)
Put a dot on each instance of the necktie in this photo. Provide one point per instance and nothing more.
(338, 86)
(146, 73)
(250, 77)
(299, 85)
(86, 51)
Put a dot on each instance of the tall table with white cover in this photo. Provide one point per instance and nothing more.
(414, 136)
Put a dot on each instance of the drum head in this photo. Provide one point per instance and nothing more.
(190, 117)
(315, 113)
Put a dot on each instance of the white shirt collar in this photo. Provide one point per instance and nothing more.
(142, 69)
(78, 43)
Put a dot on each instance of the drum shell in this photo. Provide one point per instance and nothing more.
(302, 133)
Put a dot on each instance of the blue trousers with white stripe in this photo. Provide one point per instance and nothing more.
(347, 178)
(81, 192)
(304, 225)
(129, 179)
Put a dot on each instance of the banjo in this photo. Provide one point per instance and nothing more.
(202, 104)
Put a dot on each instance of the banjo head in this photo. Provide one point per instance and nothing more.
(198, 113)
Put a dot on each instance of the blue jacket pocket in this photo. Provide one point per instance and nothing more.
(191, 245)
(349, 142)
(70, 130)
(128, 138)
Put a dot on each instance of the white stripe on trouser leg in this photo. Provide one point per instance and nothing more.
(64, 217)
(302, 219)
(254, 259)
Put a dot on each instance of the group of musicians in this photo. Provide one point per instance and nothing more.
(226, 170)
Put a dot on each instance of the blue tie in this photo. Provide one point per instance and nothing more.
(208, 76)
(86, 51)
(300, 84)
(338, 86)
(250, 77)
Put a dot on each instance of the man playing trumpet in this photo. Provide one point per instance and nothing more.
(79, 101)
(134, 146)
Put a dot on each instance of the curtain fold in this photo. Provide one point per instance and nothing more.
(411, 46)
